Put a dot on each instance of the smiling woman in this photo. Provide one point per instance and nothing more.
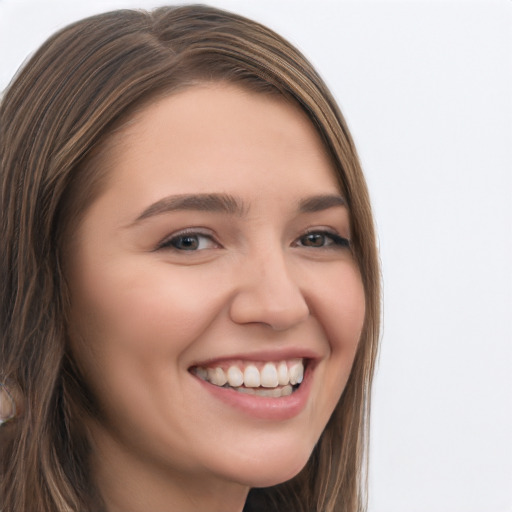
(191, 308)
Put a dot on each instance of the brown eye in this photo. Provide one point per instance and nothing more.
(323, 239)
(186, 242)
(313, 240)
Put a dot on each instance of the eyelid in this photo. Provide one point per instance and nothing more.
(324, 229)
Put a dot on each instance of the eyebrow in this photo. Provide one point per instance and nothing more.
(221, 203)
(228, 204)
(321, 202)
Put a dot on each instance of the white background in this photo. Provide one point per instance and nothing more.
(426, 88)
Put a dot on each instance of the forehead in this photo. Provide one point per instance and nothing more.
(221, 138)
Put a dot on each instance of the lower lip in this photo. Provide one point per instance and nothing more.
(262, 407)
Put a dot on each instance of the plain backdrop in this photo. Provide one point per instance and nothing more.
(426, 88)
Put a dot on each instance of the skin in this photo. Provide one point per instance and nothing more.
(143, 314)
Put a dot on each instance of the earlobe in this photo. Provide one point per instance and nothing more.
(8, 409)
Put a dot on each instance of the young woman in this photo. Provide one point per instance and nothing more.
(190, 286)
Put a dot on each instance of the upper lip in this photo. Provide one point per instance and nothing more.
(275, 355)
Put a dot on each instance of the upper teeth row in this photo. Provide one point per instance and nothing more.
(270, 376)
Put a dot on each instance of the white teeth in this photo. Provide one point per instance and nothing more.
(251, 377)
(272, 393)
(282, 374)
(247, 391)
(268, 376)
(287, 390)
(278, 379)
(217, 376)
(235, 377)
(296, 373)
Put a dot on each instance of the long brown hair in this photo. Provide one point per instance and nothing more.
(54, 120)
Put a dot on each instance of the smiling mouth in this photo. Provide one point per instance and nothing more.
(267, 379)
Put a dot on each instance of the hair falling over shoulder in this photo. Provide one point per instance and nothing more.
(54, 117)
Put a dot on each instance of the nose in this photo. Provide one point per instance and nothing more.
(267, 293)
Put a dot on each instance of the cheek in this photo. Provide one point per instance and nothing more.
(342, 309)
(132, 328)
(341, 312)
(126, 318)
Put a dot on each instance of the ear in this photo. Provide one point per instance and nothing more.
(8, 404)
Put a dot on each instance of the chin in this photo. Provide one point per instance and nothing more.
(268, 470)
(276, 477)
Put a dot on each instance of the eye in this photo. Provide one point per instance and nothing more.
(189, 241)
(322, 239)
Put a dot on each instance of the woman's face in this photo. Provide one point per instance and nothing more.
(215, 266)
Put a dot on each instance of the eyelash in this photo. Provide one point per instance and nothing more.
(336, 241)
